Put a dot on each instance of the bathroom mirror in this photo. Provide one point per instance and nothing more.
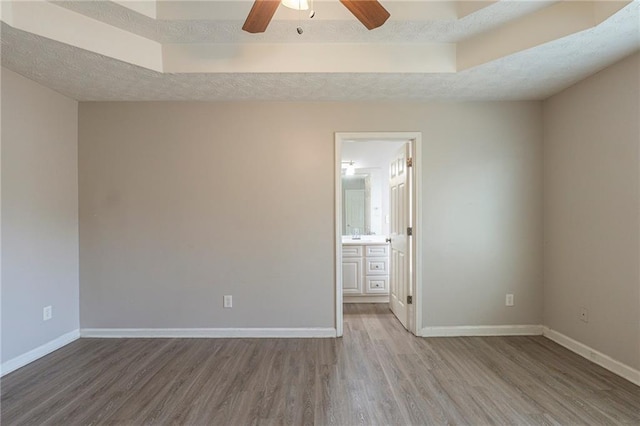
(362, 203)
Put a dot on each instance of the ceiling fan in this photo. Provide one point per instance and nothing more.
(371, 13)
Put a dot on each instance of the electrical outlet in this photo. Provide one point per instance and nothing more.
(227, 301)
(47, 313)
(584, 314)
(508, 301)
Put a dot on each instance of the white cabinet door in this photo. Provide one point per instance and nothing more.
(352, 275)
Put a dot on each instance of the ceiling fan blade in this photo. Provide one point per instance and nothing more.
(369, 12)
(260, 15)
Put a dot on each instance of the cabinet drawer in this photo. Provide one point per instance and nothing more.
(377, 266)
(377, 251)
(351, 251)
(377, 284)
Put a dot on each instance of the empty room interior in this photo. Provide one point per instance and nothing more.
(320, 212)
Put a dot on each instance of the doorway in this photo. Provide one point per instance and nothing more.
(376, 226)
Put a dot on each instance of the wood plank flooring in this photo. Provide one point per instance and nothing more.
(378, 374)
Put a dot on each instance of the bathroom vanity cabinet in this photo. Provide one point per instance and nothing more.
(365, 272)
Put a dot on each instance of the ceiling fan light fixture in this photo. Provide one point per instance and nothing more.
(296, 4)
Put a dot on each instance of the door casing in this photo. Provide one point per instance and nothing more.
(415, 309)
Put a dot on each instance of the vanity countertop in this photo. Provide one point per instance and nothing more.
(364, 240)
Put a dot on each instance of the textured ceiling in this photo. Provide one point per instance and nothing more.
(535, 73)
(315, 30)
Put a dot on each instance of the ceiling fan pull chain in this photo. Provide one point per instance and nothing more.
(299, 29)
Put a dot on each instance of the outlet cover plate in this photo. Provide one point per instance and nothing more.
(508, 301)
(47, 313)
(227, 301)
(584, 314)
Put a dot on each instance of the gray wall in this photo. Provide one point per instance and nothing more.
(482, 194)
(39, 214)
(181, 203)
(591, 211)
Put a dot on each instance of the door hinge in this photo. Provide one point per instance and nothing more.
(409, 162)
(409, 231)
(409, 300)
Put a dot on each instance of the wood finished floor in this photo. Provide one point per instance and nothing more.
(377, 374)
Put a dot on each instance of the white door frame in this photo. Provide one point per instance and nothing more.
(415, 310)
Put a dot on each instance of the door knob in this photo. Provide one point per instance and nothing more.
(388, 240)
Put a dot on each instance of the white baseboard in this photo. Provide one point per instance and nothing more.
(593, 355)
(26, 358)
(209, 332)
(481, 330)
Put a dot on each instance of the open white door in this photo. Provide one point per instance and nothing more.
(400, 218)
